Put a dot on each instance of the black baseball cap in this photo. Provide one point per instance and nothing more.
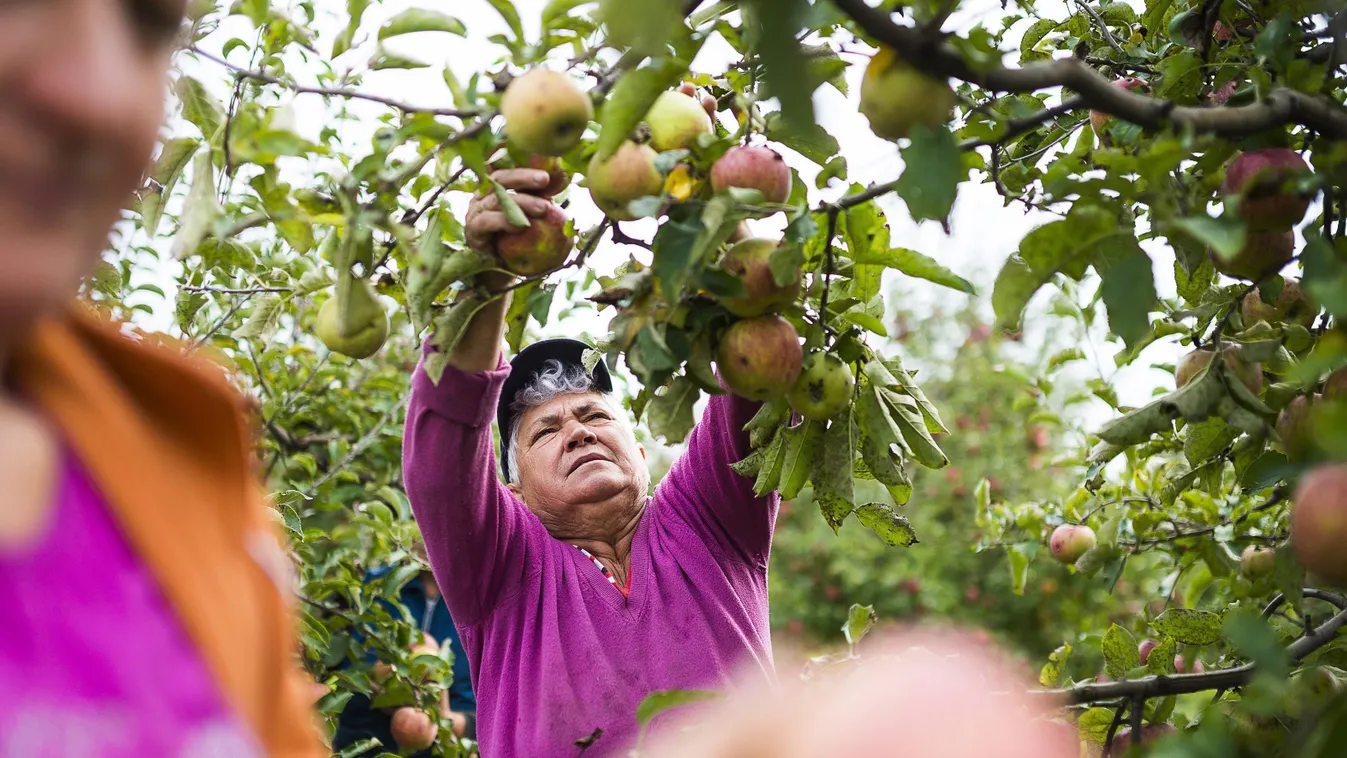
(526, 366)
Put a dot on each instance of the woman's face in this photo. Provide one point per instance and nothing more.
(81, 101)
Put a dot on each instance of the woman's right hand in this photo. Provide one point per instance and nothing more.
(485, 219)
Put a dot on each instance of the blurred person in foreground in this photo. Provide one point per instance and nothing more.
(917, 694)
(142, 585)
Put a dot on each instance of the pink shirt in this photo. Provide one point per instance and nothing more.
(93, 662)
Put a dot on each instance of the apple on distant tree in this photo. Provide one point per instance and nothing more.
(1070, 541)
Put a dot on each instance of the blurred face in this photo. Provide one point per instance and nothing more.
(580, 469)
(81, 101)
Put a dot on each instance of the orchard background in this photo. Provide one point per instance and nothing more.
(1012, 281)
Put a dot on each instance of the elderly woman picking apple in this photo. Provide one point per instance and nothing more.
(576, 592)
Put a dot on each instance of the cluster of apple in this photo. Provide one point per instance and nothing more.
(759, 355)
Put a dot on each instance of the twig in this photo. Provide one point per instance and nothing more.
(301, 89)
(197, 343)
(935, 58)
(1278, 495)
(1017, 126)
(1179, 684)
(231, 291)
(1103, 27)
(828, 264)
(358, 447)
(1130, 66)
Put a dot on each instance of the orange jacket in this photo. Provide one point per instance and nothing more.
(166, 442)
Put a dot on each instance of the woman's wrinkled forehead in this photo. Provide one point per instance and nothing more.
(572, 405)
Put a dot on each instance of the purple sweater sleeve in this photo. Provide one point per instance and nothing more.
(478, 535)
(710, 497)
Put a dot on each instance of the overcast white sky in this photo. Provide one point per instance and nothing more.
(984, 231)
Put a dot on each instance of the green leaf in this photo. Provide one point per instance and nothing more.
(860, 620)
(802, 444)
(809, 140)
(909, 387)
(1203, 439)
(660, 701)
(421, 20)
(448, 330)
(168, 168)
(1019, 557)
(1128, 286)
(670, 412)
(673, 247)
(1155, 16)
(507, 11)
(1051, 673)
(895, 530)
(773, 461)
(1093, 725)
(355, 10)
(1180, 77)
(199, 106)
(1253, 637)
(1064, 246)
(266, 312)
(832, 470)
(1225, 234)
(631, 99)
(1120, 652)
(772, 25)
(917, 265)
(1032, 36)
(199, 210)
(1161, 658)
(383, 59)
(917, 437)
(932, 169)
(1190, 627)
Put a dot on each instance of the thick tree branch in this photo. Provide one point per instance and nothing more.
(1179, 684)
(350, 94)
(933, 57)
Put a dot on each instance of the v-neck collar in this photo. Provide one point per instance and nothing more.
(637, 574)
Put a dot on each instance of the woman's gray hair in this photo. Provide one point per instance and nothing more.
(553, 380)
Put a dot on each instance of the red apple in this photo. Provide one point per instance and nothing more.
(1263, 254)
(1144, 650)
(1319, 522)
(540, 247)
(413, 729)
(753, 167)
(1263, 179)
(1100, 121)
(1069, 542)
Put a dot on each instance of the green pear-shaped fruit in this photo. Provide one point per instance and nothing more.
(628, 173)
(824, 387)
(896, 97)
(545, 113)
(360, 330)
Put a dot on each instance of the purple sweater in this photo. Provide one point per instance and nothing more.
(555, 651)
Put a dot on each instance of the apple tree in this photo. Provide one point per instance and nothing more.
(1166, 145)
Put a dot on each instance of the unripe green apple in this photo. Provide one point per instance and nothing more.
(629, 173)
(545, 113)
(1319, 522)
(1256, 561)
(675, 120)
(1070, 541)
(364, 327)
(540, 247)
(824, 387)
(760, 358)
(750, 262)
(896, 97)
